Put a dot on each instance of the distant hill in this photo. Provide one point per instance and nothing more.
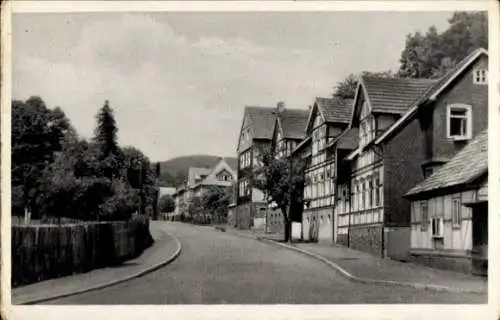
(174, 171)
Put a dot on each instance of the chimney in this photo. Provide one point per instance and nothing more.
(281, 106)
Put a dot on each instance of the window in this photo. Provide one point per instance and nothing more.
(241, 189)
(416, 215)
(245, 159)
(362, 195)
(456, 217)
(355, 196)
(424, 209)
(377, 191)
(362, 130)
(480, 76)
(427, 172)
(437, 227)
(459, 122)
(370, 193)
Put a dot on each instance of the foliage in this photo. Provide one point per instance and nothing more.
(105, 137)
(121, 204)
(37, 134)
(166, 203)
(346, 89)
(56, 174)
(216, 200)
(140, 174)
(105, 133)
(282, 180)
(432, 54)
(195, 208)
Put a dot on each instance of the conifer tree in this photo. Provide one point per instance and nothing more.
(105, 134)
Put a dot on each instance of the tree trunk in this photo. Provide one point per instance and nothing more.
(288, 229)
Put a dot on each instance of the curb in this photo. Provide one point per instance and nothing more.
(351, 277)
(111, 283)
(354, 278)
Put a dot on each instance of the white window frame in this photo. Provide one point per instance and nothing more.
(440, 232)
(478, 78)
(424, 218)
(468, 117)
(456, 216)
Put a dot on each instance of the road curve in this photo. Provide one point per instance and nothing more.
(221, 268)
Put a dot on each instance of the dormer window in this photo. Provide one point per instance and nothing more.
(459, 122)
(480, 76)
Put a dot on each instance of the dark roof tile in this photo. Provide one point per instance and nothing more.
(262, 121)
(347, 140)
(394, 95)
(335, 110)
(293, 123)
(467, 165)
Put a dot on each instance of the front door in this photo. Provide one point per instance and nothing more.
(480, 238)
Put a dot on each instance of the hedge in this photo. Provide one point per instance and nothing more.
(41, 252)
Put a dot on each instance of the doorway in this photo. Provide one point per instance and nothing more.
(480, 238)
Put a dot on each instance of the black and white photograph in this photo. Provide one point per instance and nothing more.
(249, 157)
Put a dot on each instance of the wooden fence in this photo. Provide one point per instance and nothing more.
(41, 252)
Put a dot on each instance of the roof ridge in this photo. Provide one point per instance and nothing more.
(397, 78)
(259, 107)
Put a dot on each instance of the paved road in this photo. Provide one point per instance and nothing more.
(220, 268)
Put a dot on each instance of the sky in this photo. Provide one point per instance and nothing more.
(178, 82)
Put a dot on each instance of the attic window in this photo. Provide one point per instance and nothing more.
(459, 122)
(480, 76)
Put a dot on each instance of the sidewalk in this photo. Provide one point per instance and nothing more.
(165, 249)
(365, 267)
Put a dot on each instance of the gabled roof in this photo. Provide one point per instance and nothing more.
(262, 121)
(434, 91)
(232, 162)
(393, 95)
(466, 166)
(335, 110)
(195, 175)
(293, 123)
(452, 74)
(388, 95)
(211, 178)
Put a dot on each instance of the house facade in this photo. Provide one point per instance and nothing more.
(289, 131)
(254, 139)
(442, 122)
(436, 120)
(449, 213)
(180, 198)
(201, 180)
(369, 215)
(328, 118)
